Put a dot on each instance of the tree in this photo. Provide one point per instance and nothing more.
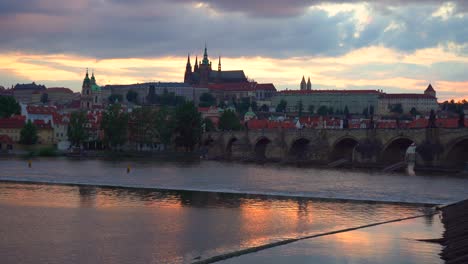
(229, 121)
(28, 134)
(9, 106)
(115, 98)
(300, 108)
(77, 132)
(281, 107)
(322, 111)
(44, 98)
(264, 108)
(115, 123)
(414, 112)
(365, 112)
(254, 106)
(346, 111)
(222, 104)
(396, 108)
(132, 96)
(243, 106)
(207, 100)
(188, 126)
(209, 126)
(164, 125)
(461, 119)
(330, 110)
(142, 125)
(311, 109)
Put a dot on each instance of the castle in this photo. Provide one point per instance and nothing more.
(202, 73)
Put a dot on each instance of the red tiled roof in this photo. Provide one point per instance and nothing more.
(330, 91)
(41, 110)
(265, 86)
(407, 96)
(59, 90)
(12, 122)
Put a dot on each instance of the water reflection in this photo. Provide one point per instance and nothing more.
(122, 225)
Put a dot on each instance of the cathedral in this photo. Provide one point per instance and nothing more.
(306, 86)
(91, 94)
(202, 73)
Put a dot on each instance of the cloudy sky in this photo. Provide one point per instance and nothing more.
(394, 45)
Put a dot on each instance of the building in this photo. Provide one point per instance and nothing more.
(23, 93)
(146, 91)
(45, 132)
(202, 73)
(42, 113)
(356, 101)
(305, 86)
(227, 92)
(423, 103)
(11, 127)
(55, 95)
(91, 94)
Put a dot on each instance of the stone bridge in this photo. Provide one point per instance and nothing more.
(435, 146)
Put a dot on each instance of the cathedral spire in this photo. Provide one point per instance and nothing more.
(205, 56)
(309, 84)
(219, 64)
(303, 84)
(195, 67)
(189, 65)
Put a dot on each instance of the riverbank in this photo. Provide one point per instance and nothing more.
(455, 238)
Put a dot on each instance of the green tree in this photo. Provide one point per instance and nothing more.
(114, 124)
(115, 98)
(209, 126)
(44, 98)
(222, 104)
(229, 121)
(396, 108)
(311, 109)
(346, 111)
(142, 125)
(207, 100)
(414, 112)
(132, 96)
(9, 106)
(254, 106)
(77, 132)
(322, 111)
(188, 126)
(243, 106)
(28, 134)
(264, 108)
(281, 107)
(164, 126)
(300, 108)
(330, 110)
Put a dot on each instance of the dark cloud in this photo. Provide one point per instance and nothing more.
(142, 28)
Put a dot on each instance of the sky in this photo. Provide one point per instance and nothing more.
(399, 46)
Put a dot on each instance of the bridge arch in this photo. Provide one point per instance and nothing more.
(298, 148)
(260, 147)
(456, 155)
(394, 150)
(343, 148)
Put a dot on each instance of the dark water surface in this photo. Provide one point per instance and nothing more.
(217, 208)
(71, 224)
(243, 178)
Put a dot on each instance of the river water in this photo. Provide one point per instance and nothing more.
(182, 212)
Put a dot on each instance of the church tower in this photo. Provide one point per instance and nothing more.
(205, 69)
(188, 71)
(309, 84)
(86, 94)
(218, 75)
(303, 84)
(430, 91)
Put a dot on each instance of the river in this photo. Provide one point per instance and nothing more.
(179, 212)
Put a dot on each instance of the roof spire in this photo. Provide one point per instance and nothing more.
(219, 64)
(205, 56)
